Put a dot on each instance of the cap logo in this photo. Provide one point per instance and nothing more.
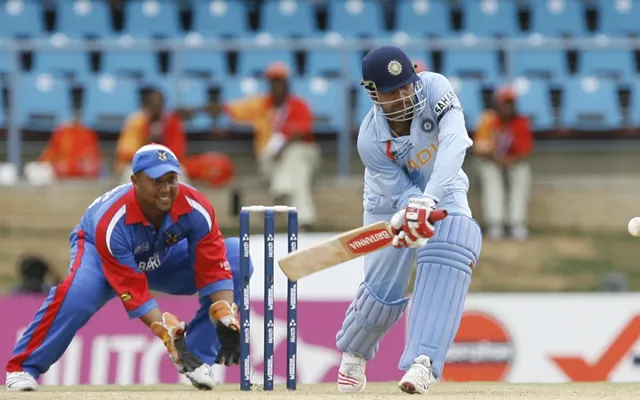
(394, 67)
(162, 155)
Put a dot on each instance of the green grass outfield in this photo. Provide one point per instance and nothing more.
(459, 391)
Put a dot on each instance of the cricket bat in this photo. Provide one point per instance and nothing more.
(341, 248)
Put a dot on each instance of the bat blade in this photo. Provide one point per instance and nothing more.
(336, 250)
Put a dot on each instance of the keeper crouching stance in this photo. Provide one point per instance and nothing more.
(152, 234)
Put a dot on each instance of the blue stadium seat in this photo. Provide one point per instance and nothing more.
(535, 102)
(619, 19)
(238, 88)
(108, 100)
(330, 63)
(210, 62)
(615, 63)
(76, 62)
(551, 64)
(151, 18)
(353, 18)
(254, 62)
(469, 93)
(78, 19)
(549, 19)
(118, 62)
(5, 61)
(21, 18)
(590, 104)
(490, 18)
(45, 96)
(282, 18)
(326, 98)
(220, 18)
(192, 92)
(421, 18)
(469, 62)
(363, 105)
(635, 102)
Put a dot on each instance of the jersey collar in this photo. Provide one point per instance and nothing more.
(135, 215)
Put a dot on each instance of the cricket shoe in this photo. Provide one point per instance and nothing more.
(21, 382)
(202, 377)
(417, 379)
(351, 375)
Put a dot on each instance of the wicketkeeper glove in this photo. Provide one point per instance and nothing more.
(171, 331)
(224, 317)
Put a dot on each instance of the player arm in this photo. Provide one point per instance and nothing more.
(120, 270)
(208, 254)
(453, 138)
(385, 177)
(243, 110)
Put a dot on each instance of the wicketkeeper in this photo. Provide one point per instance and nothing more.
(152, 234)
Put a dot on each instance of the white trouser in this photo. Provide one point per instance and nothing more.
(493, 192)
(292, 174)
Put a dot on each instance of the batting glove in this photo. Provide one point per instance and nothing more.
(171, 331)
(224, 317)
(413, 226)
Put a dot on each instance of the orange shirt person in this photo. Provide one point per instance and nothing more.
(73, 151)
(503, 142)
(503, 135)
(284, 143)
(150, 124)
(277, 112)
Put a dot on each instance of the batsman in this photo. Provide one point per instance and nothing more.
(412, 142)
(151, 234)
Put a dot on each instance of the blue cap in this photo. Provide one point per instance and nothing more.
(389, 68)
(155, 160)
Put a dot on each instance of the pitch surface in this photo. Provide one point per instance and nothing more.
(441, 391)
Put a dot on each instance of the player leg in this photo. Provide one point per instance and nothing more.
(379, 303)
(67, 309)
(202, 338)
(444, 267)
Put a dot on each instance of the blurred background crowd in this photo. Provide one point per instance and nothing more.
(260, 99)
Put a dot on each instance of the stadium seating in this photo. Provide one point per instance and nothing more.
(289, 19)
(82, 19)
(619, 18)
(43, 100)
(220, 19)
(108, 100)
(423, 18)
(590, 104)
(318, 73)
(534, 100)
(490, 18)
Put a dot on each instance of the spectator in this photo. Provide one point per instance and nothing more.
(283, 141)
(33, 274)
(73, 150)
(503, 142)
(150, 124)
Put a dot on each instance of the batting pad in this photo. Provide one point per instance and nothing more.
(441, 285)
(367, 320)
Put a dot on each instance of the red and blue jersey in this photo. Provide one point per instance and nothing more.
(136, 257)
